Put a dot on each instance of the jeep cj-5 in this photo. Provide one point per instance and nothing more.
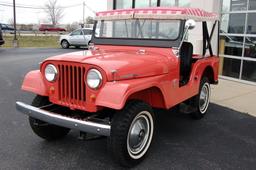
(139, 60)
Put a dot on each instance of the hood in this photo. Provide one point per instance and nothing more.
(126, 64)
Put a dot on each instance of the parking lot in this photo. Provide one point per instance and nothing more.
(225, 139)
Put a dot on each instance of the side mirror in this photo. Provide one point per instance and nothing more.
(190, 24)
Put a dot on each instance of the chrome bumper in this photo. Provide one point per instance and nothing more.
(57, 119)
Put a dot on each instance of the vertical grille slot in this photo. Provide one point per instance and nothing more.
(71, 85)
(83, 85)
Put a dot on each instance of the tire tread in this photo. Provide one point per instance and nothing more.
(119, 130)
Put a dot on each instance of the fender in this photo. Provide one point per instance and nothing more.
(33, 82)
(115, 94)
(200, 67)
(192, 88)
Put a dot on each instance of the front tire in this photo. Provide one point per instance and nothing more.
(43, 129)
(132, 131)
(202, 100)
(64, 44)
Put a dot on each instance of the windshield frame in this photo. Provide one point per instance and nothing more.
(165, 43)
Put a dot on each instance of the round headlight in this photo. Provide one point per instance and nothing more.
(50, 72)
(94, 78)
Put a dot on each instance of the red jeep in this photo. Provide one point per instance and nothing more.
(141, 59)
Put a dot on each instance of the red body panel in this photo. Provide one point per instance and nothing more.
(33, 82)
(149, 74)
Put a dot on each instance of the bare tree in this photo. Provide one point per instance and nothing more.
(54, 11)
(11, 22)
(89, 20)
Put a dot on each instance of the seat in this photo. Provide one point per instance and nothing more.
(186, 53)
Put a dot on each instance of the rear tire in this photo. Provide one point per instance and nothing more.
(202, 100)
(64, 44)
(131, 133)
(43, 129)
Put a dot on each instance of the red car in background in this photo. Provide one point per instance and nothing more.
(48, 27)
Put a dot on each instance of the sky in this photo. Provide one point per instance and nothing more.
(73, 12)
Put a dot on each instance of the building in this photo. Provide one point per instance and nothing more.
(238, 31)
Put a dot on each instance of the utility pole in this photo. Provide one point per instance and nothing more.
(15, 41)
(83, 15)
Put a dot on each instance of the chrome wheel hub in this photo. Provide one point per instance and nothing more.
(140, 135)
(204, 98)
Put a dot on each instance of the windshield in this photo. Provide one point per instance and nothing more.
(139, 29)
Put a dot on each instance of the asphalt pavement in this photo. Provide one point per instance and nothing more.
(224, 139)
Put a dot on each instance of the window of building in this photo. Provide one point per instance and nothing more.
(233, 23)
(233, 45)
(231, 67)
(169, 3)
(123, 4)
(145, 3)
(252, 4)
(238, 5)
(236, 23)
(249, 71)
(184, 3)
(226, 6)
(234, 5)
(251, 24)
(238, 31)
(250, 47)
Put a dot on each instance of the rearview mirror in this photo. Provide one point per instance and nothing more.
(190, 24)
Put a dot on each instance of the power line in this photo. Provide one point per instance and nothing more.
(18, 6)
(89, 8)
(43, 8)
(36, 7)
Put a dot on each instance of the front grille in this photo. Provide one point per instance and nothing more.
(72, 89)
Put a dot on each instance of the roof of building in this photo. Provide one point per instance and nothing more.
(158, 13)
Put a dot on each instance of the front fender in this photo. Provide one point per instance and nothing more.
(115, 94)
(33, 82)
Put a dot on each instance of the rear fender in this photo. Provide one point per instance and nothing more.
(33, 82)
(201, 65)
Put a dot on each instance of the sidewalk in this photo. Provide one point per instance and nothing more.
(234, 95)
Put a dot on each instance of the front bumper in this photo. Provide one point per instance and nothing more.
(63, 121)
